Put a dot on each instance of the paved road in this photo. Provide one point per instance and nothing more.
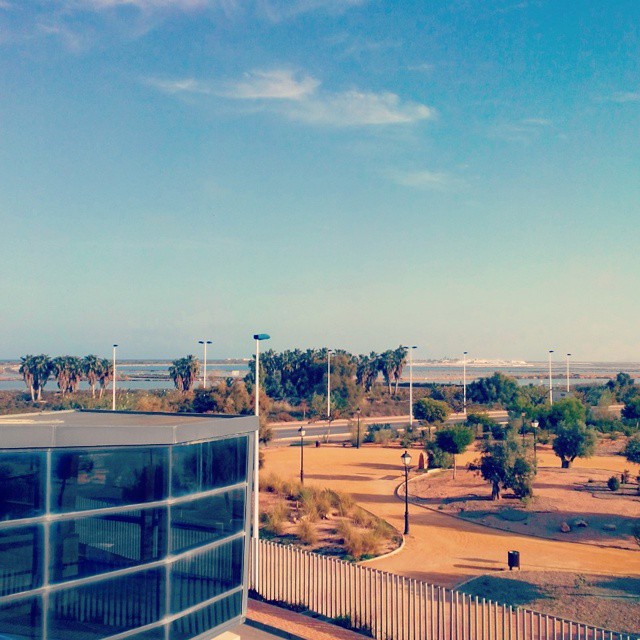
(440, 548)
(287, 432)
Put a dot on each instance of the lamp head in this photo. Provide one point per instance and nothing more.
(406, 459)
(302, 432)
(261, 336)
(535, 424)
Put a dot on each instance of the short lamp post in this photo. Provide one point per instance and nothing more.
(534, 425)
(358, 411)
(406, 461)
(302, 432)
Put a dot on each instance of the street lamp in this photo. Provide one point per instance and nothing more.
(534, 425)
(550, 379)
(406, 460)
(301, 431)
(256, 460)
(358, 411)
(329, 352)
(411, 385)
(464, 382)
(523, 428)
(568, 356)
(113, 395)
(204, 373)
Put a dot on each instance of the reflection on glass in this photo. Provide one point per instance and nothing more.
(153, 634)
(20, 559)
(21, 620)
(94, 545)
(208, 519)
(209, 465)
(206, 618)
(99, 610)
(205, 575)
(21, 485)
(90, 479)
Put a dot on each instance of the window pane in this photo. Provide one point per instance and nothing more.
(21, 620)
(89, 546)
(21, 484)
(206, 575)
(208, 519)
(90, 479)
(20, 559)
(108, 607)
(207, 618)
(209, 465)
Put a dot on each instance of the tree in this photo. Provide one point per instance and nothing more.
(105, 374)
(496, 389)
(631, 410)
(68, 372)
(431, 411)
(505, 466)
(399, 360)
(632, 450)
(622, 386)
(480, 420)
(367, 370)
(184, 372)
(567, 411)
(35, 371)
(387, 366)
(574, 440)
(454, 440)
(91, 368)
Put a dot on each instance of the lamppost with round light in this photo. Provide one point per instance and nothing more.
(406, 461)
(534, 425)
(302, 432)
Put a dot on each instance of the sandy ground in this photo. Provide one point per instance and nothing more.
(440, 548)
(575, 496)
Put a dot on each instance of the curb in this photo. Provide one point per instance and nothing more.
(287, 635)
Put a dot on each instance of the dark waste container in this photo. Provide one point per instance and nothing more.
(513, 558)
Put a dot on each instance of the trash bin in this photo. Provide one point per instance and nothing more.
(513, 558)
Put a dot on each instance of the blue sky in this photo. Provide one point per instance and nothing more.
(354, 173)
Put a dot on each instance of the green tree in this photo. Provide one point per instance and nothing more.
(105, 374)
(573, 440)
(68, 372)
(184, 372)
(631, 410)
(632, 450)
(431, 411)
(496, 389)
(454, 440)
(505, 466)
(568, 411)
(91, 369)
(480, 421)
(35, 371)
(622, 386)
(367, 370)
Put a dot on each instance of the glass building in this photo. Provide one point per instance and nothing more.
(123, 525)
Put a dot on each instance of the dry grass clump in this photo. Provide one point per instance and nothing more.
(343, 503)
(307, 532)
(272, 483)
(276, 519)
(362, 518)
(358, 543)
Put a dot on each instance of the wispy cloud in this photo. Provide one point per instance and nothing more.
(424, 67)
(523, 131)
(300, 97)
(623, 97)
(430, 180)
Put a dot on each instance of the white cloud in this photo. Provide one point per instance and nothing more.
(433, 180)
(622, 97)
(523, 131)
(144, 5)
(301, 98)
(277, 84)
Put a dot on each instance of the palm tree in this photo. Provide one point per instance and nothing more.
(105, 374)
(400, 359)
(91, 368)
(61, 370)
(387, 365)
(184, 373)
(36, 371)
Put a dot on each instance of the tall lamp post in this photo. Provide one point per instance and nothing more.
(329, 352)
(550, 379)
(113, 393)
(258, 337)
(204, 369)
(358, 411)
(302, 432)
(406, 460)
(568, 356)
(464, 382)
(534, 425)
(411, 385)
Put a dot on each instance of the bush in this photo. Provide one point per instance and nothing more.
(613, 483)
(632, 450)
(438, 459)
(275, 520)
(307, 532)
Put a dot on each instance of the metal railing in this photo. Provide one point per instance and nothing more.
(392, 607)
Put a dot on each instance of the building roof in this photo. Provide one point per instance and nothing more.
(116, 428)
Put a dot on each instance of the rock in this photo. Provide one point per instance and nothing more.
(580, 523)
(609, 527)
(565, 528)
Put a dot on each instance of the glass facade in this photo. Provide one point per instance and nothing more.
(145, 542)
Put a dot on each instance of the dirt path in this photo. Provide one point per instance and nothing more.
(440, 548)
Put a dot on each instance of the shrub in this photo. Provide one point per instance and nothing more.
(272, 483)
(613, 483)
(275, 520)
(361, 518)
(342, 502)
(632, 450)
(438, 459)
(307, 532)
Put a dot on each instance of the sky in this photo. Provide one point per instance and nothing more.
(358, 174)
